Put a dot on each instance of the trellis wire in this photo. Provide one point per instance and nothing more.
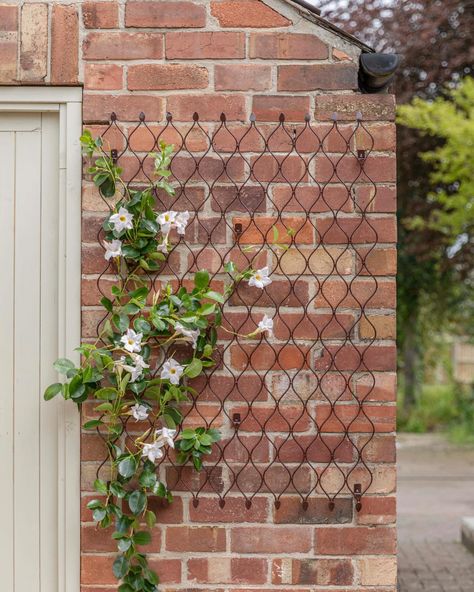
(276, 415)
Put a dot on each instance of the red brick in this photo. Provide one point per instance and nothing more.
(302, 77)
(376, 169)
(291, 511)
(357, 293)
(8, 60)
(269, 108)
(378, 137)
(97, 570)
(380, 198)
(278, 293)
(275, 419)
(287, 46)
(379, 261)
(198, 539)
(311, 198)
(321, 572)
(260, 230)
(165, 15)
(353, 418)
(64, 44)
(268, 539)
(372, 107)
(355, 541)
(337, 325)
(103, 77)
(205, 45)
(268, 168)
(209, 107)
(376, 387)
(378, 448)
(123, 46)
(8, 17)
(247, 13)
(228, 570)
(377, 510)
(356, 229)
(99, 107)
(145, 140)
(242, 77)
(167, 513)
(378, 327)
(168, 570)
(266, 357)
(234, 510)
(347, 357)
(272, 477)
(166, 77)
(322, 449)
(98, 540)
(100, 15)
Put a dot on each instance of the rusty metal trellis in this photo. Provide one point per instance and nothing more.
(296, 197)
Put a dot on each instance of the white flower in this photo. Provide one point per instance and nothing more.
(166, 436)
(260, 278)
(191, 334)
(113, 249)
(163, 248)
(153, 451)
(172, 371)
(122, 220)
(140, 412)
(137, 370)
(132, 341)
(266, 325)
(166, 220)
(181, 222)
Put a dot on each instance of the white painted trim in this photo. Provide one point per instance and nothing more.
(40, 94)
(68, 101)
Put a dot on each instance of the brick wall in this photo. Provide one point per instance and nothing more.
(239, 56)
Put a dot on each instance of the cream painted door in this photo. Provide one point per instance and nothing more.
(30, 489)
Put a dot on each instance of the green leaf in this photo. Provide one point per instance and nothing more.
(107, 304)
(117, 489)
(201, 279)
(63, 365)
(127, 467)
(125, 588)
(94, 504)
(100, 486)
(142, 537)
(106, 394)
(137, 502)
(215, 296)
(52, 391)
(124, 545)
(99, 514)
(93, 423)
(150, 518)
(120, 567)
(194, 368)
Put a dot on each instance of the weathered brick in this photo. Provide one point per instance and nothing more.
(196, 45)
(64, 44)
(378, 571)
(301, 77)
(287, 46)
(344, 540)
(378, 327)
(266, 357)
(123, 46)
(228, 570)
(269, 230)
(234, 510)
(269, 540)
(339, 229)
(377, 510)
(34, 42)
(167, 77)
(165, 15)
(103, 77)
(97, 569)
(98, 107)
(198, 539)
(269, 108)
(321, 261)
(100, 15)
(8, 59)
(357, 358)
(336, 418)
(247, 14)
(372, 107)
(291, 511)
(357, 293)
(242, 77)
(8, 17)
(209, 107)
(321, 572)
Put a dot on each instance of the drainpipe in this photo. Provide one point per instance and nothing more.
(377, 71)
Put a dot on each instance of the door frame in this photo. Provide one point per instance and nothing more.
(67, 101)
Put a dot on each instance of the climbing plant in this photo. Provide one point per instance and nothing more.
(133, 371)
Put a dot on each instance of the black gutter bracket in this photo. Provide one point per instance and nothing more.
(376, 71)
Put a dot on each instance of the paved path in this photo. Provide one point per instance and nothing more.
(436, 489)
